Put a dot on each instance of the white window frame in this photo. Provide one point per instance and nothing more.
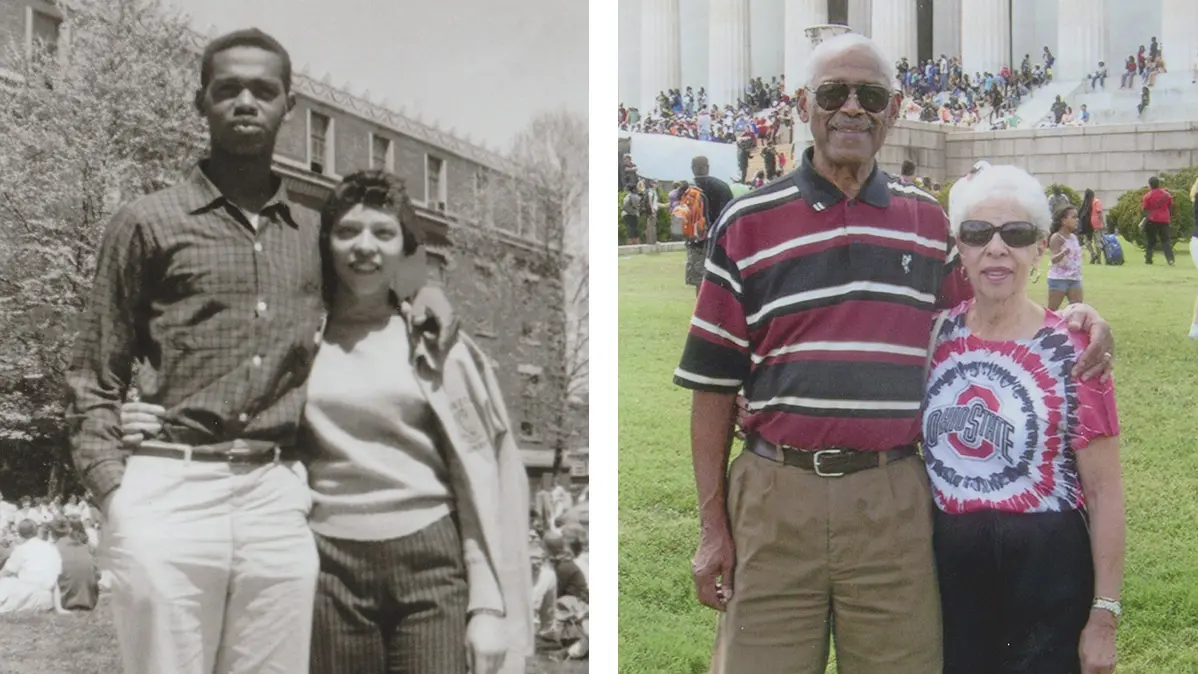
(440, 201)
(29, 12)
(389, 161)
(483, 196)
(330, 144)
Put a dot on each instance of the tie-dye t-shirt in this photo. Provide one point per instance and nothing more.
(1002, 420)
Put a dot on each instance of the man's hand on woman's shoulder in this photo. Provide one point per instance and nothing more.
(1099, 356)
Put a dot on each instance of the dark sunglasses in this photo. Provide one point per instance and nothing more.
(1015, 234)
(832, 96)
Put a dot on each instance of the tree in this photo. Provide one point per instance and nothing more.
(87, 126)
(553, 153)
(543, 197)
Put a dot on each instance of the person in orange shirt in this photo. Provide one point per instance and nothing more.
(1090, 225)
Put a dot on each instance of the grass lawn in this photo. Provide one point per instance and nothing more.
(85, 643)
(664, 630)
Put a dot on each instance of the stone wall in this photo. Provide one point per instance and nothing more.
(1109, 159)
(922, 143)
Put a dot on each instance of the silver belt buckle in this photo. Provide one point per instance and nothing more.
(815, 462)
(238, 456)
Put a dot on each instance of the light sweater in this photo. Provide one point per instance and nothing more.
(378, 473)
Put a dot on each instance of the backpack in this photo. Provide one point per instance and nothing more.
(692, 211)
(1112, 249)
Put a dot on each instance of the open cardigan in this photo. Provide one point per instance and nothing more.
(487, 475)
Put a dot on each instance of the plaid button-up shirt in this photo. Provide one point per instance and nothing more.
(225, 317)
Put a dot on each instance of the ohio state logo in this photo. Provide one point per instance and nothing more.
(972, 426)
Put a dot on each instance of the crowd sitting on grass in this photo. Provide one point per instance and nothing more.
(559, 550)
(47, 557)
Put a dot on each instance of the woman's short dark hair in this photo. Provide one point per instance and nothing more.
(249, 37)
(374, 189)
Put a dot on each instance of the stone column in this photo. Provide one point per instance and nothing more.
(1080, 39)
(800, 15)
(946, 28)
(1179, 38)
(985, 36)
(860, 12)
(728, 51)
(661, 50)
(894, 27)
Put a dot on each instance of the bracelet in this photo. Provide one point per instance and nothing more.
(486, 611)
(1107, 604)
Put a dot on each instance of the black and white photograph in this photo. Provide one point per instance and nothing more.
(294, 337)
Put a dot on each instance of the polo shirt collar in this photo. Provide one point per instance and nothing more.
(200, 194)
(816, 188)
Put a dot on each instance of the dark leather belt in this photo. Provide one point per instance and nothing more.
(834, 462)
(236, 452)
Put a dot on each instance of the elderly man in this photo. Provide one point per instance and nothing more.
(818, 300)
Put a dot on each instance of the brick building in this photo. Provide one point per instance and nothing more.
(332, 132)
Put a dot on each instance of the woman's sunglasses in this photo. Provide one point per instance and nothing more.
(832, 96)
(1015, 234)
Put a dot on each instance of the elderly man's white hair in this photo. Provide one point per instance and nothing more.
(832, 48)
(1007, 182)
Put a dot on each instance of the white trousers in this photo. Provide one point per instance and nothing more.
(213, 567)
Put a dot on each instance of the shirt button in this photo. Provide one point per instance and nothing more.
(261, 307)
(243, 417)
(257, 247)
(257, 361)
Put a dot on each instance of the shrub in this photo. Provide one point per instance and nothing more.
(1074, 197)
(620, 217)
(942, 195)
(663, 218)
(1125, 215)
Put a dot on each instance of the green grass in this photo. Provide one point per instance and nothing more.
(664, 630)
(85, 643)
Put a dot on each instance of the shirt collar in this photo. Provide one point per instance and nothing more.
(816, 188)
(200, 194)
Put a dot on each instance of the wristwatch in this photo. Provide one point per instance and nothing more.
(1111, 605)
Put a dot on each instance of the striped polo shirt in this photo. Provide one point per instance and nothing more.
(820, 308)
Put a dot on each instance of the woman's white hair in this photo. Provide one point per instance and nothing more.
(987, 182)
(833, 48)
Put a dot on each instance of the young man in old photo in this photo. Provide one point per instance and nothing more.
(215, 285)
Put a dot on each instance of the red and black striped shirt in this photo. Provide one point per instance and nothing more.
(820, 308)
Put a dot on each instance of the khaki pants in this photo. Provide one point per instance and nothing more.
(213, 567)
(848, 556)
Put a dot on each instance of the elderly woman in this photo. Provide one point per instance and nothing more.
(420, 499)
(1023, 457)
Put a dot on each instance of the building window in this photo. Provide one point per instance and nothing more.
(532, 395)
(320, 143)
(434, 183)
(524, 214)
(380, 153)
(483, 199)
(43, 31)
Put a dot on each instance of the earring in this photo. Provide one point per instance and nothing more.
(1035, 274)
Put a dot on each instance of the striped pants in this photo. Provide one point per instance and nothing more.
(391, 607)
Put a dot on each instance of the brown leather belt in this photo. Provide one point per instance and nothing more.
(833, 462)
(245, 452)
